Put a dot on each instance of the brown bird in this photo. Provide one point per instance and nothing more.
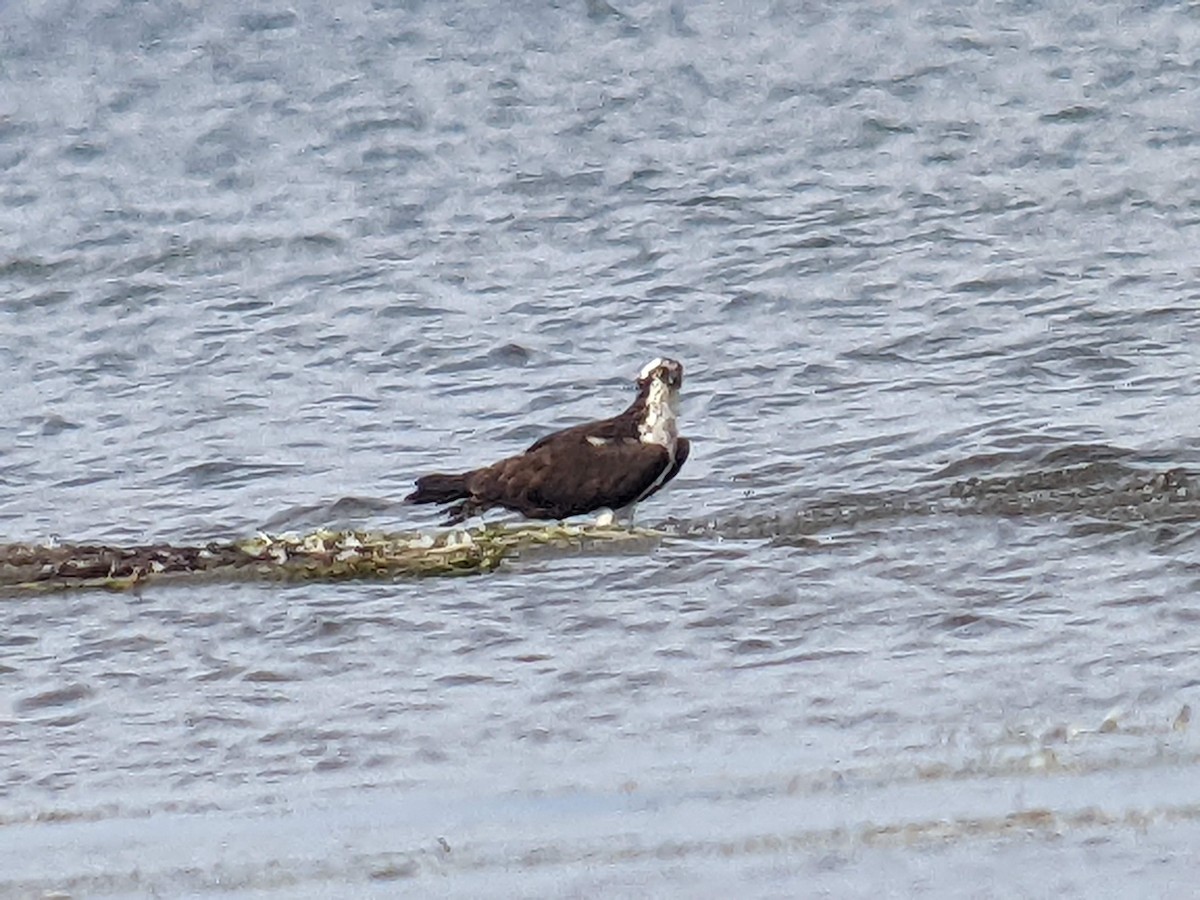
(610, 464)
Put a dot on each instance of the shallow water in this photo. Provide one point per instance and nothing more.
(924, 628)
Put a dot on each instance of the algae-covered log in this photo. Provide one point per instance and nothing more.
(319, 555)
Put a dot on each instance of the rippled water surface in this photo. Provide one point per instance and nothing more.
(927, 625)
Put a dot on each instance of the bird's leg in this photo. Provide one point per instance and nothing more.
(611, 518)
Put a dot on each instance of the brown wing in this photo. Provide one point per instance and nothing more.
(565, 474)
(606, 429)
(682, 448)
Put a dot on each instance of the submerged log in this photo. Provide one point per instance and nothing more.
(1102, 495)
(315, 556)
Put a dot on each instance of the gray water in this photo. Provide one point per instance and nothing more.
(262, 265)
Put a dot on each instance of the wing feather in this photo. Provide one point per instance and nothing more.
(565, 474)
(682, 448)
(606, 429)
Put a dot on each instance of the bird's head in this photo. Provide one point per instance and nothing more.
(667, 372)
(658, 396)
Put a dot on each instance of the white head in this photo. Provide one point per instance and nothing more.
(666, 370)
(659, 383)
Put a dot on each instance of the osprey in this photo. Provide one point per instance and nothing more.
(613, 463)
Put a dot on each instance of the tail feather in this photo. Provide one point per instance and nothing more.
(439, 488)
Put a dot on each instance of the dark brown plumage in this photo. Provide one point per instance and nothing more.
(613, 463)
